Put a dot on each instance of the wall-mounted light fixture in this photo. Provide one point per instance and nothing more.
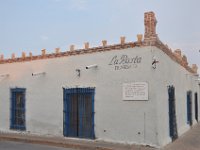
(38, 73)
(91, 66)
(4, 75)
(154, 62)
(78, 72)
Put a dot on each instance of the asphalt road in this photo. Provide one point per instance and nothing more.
(5, 145)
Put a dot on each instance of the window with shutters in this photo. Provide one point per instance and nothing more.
(18, 119)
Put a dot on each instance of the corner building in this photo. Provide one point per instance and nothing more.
(133, 92)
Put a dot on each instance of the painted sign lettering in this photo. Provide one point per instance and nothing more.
(125, 62)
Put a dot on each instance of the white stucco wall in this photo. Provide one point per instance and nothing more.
(142, 122)
(115, 119)
(167, 73)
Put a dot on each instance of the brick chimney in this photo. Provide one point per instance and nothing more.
(150, 26)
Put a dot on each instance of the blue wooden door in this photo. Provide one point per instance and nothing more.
(79, 112)
(86, 112)
(172, 113)
(189, 108)
(70, 113)
(196, 107)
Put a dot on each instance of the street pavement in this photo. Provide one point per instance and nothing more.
(8, 145)
(188, 141)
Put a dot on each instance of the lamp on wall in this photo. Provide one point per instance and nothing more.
(38, 73)
(91, 66)
(154, 62)
(78, 72)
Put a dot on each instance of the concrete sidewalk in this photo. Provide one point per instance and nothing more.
(188, 141)
(70, 143)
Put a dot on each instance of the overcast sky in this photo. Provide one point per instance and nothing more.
(31, 25)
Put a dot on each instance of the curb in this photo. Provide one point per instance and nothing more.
(52, 142)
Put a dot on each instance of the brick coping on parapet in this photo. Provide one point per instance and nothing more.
(177, 58)
(72, 52)
(156, 43)
(150, 39)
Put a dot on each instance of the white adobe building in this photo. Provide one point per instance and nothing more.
(136, 92)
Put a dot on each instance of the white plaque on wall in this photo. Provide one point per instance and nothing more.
(135, 91)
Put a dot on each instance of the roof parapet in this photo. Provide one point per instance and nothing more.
(194, 68)
(150, 39)
(1, 57)
(72, 47)
(13, 56)
(30, 54)
(87, 45)
(43, 52)
(104, 43)
(23, 55)
(139, 38)
(177, 53)
(184, 61)
(122, 40)
(57, 50)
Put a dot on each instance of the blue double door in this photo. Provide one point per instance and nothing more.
(78, 114)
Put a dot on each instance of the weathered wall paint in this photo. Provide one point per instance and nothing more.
(142, 122)
(168, 73)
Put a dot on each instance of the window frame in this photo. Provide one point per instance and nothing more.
(13, 125)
